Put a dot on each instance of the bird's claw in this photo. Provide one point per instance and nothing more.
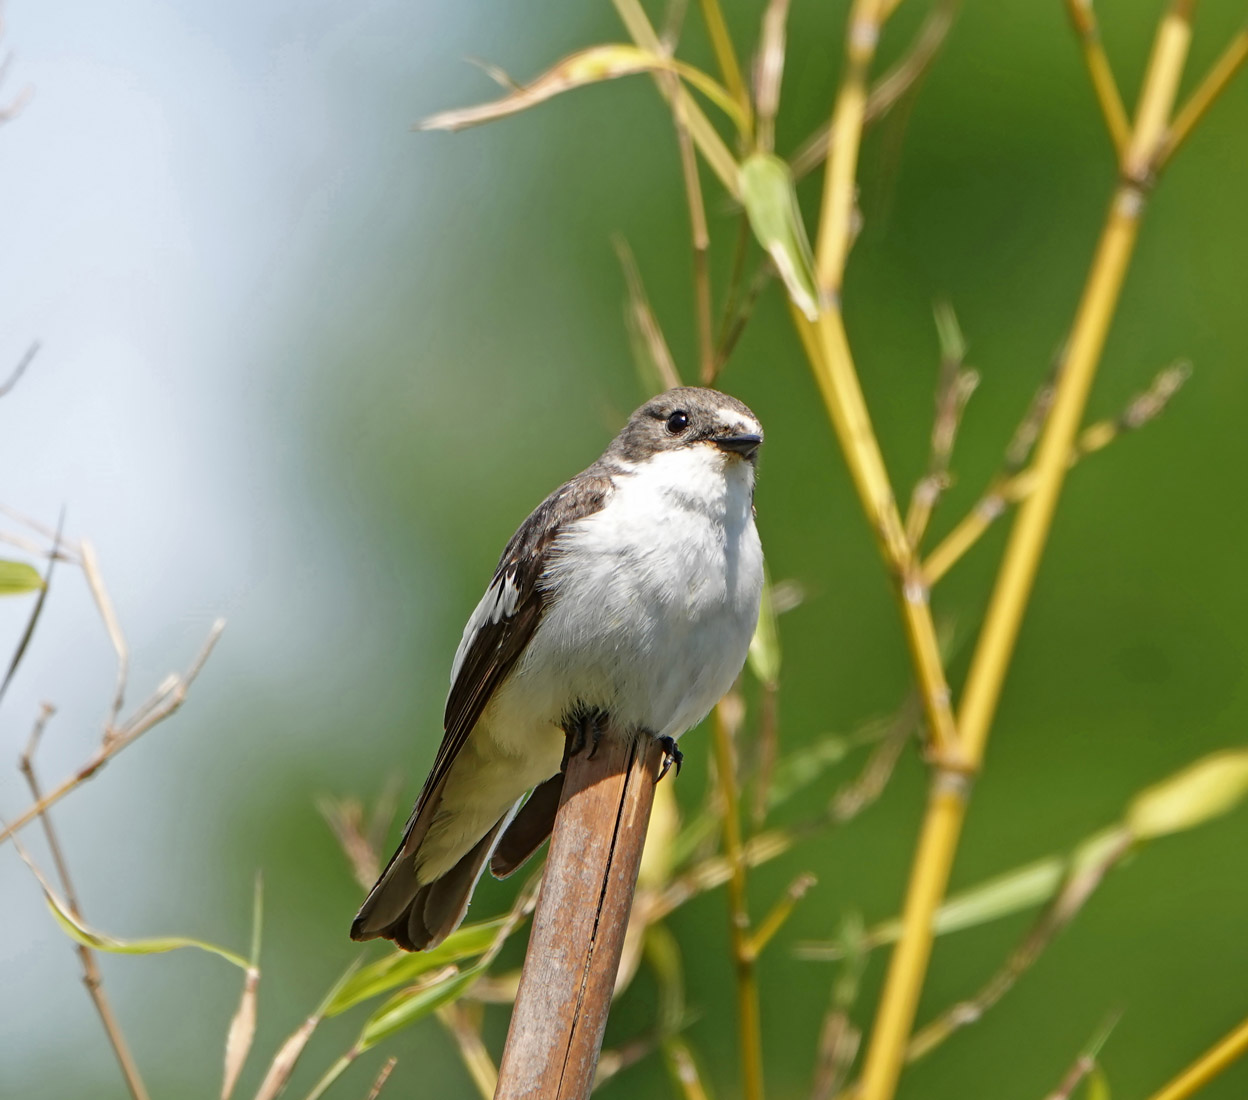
(595, 720)
(671, 755)
(584, 729)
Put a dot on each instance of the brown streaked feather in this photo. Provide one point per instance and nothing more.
(529, 828)
(497, 646)
(491, 655)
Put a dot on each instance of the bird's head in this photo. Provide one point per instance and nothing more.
(686, 417)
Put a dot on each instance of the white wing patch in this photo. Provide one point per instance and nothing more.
(499, 602)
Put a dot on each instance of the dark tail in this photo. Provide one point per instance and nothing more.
(417, 915)
(529, 828)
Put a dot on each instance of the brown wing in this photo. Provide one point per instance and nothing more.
(503, 628)
(492, 651)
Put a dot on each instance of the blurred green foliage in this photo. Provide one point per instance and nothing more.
(474, 392)
(472, 372)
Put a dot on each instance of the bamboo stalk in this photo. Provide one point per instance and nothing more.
(725, 55)
(1198, 104)
(1104, 85)
(701, 242)
(578, 927)
(749, 1020)
(947, 808)
(717, 155)
(828, 348)
(836, 216)
(1207, 1066)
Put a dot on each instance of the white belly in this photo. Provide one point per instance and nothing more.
(653, 603)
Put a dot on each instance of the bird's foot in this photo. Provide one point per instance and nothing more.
(671, 755)
(585, 728)
(596, 721)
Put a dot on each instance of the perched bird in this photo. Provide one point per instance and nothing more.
(631, 591)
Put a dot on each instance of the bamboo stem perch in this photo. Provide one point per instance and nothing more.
(578, 927)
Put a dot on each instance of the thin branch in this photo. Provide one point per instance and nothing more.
(163, 703)
(853, 798)
(1204, 97)
(1056, 916)
(464, 1024)
(1009, 489)
(953, 391)
(49, 533)
(382, 1078)
(673, 22)
(36, 612)
(839, 1038)
(31, 546)
(767, 748)
(345, 819)
(684, 1069)
(1083, 19)
(769, 72)
(642, 320)
(1086, 1063)
(277, 1076)
(700, 239)
(726, 722)
(827, 347)
(889, 88)
(717, 155)
(725, 55)
(91, 977)
(95, 582)
(20, 369)
(836, 231)
(734, 323)
(780, 912)
(1208, 1066)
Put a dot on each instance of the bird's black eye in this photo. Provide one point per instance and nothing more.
(678, 422)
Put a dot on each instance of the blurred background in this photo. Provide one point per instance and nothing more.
(307, 369)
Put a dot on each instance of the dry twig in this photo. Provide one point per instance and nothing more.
(165, 701)
(91, 977)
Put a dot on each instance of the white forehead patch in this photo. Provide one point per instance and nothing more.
(736, 422)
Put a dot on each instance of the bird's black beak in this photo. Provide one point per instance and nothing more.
(744, 445)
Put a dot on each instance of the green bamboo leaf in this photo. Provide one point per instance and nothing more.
(18, 578)
(591, 66)
(404, 967)
(1212, 786)
(764, 656)
(89, 937)
(770, 202)
(405, 1009)
(1023, 888)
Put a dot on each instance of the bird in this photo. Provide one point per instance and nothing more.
(631, 592)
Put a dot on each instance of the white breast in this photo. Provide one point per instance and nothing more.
(654, 599)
